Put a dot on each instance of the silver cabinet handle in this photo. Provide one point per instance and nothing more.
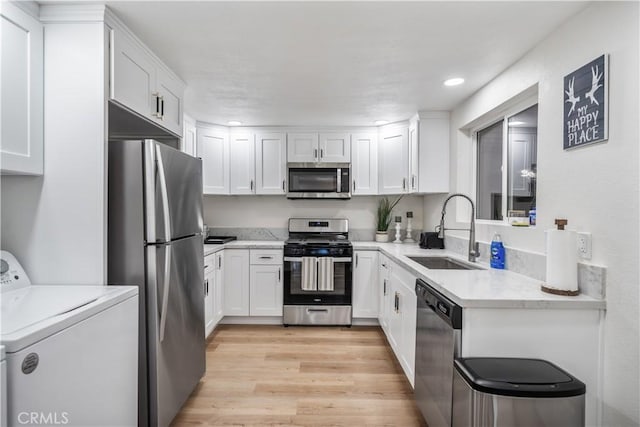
(283, 185)
(266, 257)
(384, 287)
(279, 275)
(161, 108)
(219, 262)
(251, 185)
(354, 185)
(315, 153)
(157, 112)
(321, 153)
(356, 260)
(413, 182)
(206, 287)
(404, 183)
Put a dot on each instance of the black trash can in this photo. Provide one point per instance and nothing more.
(507, 392)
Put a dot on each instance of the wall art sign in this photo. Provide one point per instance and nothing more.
(586, 104)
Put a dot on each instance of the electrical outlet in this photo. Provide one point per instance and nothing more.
(584, 245)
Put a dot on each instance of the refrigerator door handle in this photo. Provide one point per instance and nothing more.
(165, 290)
(164, 194)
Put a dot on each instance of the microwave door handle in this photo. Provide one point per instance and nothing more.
(339, 180)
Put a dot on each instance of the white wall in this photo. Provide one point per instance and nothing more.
(55, 224)
(595, 187)
(274, 211)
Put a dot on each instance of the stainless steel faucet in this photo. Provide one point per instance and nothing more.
(474, 247)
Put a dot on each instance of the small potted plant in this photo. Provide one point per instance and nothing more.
(383, 218)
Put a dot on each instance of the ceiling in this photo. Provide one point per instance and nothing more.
(335, 63)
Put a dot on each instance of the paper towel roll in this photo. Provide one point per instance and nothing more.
(562, 260)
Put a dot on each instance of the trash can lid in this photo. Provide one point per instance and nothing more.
(518, 377)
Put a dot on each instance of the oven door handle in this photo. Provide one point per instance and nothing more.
(335, 259)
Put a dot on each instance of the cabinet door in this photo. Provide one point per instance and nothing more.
(214, 151)
(271, 163)
(302, 147)
(266, 290)
(218, 288)
(385, 292)
(236, 282)
(133, 79)
(434, 152)
(393, 155)
(170, 90)
(188, 144)
(413, 157)
(22, 94)
(365, 284)
(242, 163)
(406, 312)
(209, 281)
(335, 147)
(364, 164)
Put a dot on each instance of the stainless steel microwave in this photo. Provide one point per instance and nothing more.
(318, 181)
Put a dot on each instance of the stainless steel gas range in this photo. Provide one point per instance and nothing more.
(317, 272)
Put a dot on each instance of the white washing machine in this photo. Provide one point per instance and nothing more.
(71, 351)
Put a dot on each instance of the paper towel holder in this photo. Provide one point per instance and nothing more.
(560, 223)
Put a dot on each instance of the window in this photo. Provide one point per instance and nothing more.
(511, 190)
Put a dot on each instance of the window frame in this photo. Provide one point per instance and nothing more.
(504, 114)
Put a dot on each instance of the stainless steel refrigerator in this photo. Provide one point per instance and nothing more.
(155, 242)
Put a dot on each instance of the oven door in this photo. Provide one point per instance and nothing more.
(317, 280)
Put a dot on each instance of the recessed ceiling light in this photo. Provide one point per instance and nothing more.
(234, 123)
(381, 122)
(454, 82)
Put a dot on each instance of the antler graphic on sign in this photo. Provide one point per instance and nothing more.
(595, 78)
(572, 98)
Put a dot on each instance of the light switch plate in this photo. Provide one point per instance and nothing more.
(584, 245)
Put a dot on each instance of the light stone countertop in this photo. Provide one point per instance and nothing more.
(244, 244)
(487, 288)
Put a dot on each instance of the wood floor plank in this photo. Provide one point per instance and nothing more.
(300, 376)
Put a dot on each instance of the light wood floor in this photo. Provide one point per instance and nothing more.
(300, 376)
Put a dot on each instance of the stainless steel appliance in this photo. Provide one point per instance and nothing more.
(318, 181)
(317, 272)
(155, 242)
(505, 392)
(438, 335)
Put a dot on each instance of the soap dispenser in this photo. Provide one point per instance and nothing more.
(497, 252)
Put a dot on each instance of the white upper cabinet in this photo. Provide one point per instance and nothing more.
(22, 94)
(271, 163)
(189, 143)
(302, 147)
(433, 175)
(413, 156)
(213, 149)
(364, 164)
(334, 147)
(242, 163)
(143, 84)
(319, 148)
(393, 147)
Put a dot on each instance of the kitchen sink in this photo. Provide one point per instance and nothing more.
(443, 263)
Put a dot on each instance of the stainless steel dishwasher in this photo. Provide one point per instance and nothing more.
(438, 335)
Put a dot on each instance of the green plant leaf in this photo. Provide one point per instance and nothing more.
(385, 208)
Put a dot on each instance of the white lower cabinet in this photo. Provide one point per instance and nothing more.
(398, 313)
(218, 288)
(365, 284)
(384, 292)
(253, 282)
(265, 289)
(236, 282)
(209, 296)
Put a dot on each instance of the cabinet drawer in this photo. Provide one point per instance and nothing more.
(209, 263)
(265, 256)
